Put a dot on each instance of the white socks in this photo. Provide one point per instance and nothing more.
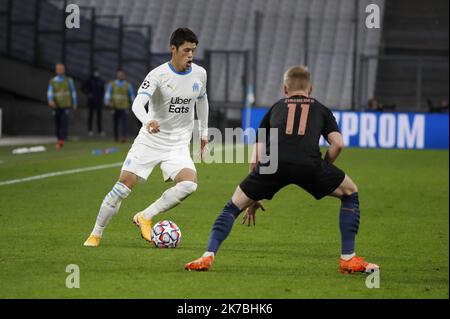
(110, 206)
(170, 198)
(348, 257)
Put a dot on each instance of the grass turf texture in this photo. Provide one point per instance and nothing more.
(291, 253)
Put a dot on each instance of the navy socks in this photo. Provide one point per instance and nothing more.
(349, 222)
(222, 226)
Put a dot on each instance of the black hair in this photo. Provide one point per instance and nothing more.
(181, 35)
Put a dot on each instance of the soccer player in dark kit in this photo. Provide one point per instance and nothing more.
(300, 121)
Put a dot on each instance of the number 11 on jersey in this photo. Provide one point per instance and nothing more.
(291, 116)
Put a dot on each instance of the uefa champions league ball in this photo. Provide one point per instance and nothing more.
(166, 234)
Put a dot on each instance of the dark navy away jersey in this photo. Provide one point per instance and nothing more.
(300, 122)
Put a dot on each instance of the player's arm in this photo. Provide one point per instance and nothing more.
(334, 138)
(250, 212)
(258, 149)
(143, 97)
(146, 119)
(202, 108)
(336, 146)
(260, 146)
(202, 114)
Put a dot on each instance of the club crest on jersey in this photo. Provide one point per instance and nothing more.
(195, 87)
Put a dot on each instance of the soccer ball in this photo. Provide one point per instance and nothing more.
(166, 234)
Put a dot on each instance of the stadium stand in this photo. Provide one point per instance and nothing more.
(415, 41)
(220, 25)
(318, 33)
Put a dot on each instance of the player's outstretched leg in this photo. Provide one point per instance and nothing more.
(169, 199)
(110, 206)
(349, 216)
(220, 230)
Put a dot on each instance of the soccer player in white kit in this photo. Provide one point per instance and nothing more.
(171, 91)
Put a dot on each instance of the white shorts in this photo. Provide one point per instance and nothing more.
(141, 160)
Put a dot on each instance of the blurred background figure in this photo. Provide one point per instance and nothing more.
(119, 96)
(94, 88)
(442, 107)
(61, 96)
(374, 106)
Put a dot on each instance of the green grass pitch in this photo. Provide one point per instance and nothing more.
(291, 253)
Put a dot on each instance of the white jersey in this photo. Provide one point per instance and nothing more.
(173, 96)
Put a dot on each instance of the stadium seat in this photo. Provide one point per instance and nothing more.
(223, 25)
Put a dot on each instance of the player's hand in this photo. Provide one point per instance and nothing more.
(250, 213)
(203, 147)
(153, 127)
(52, 104)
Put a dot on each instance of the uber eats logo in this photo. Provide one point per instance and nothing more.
(177, 105)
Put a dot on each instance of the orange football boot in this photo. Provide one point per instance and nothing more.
(200, 264)
(356, 264)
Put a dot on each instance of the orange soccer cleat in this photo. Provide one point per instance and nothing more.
(200, 264)
(356, 264)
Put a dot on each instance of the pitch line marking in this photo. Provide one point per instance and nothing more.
(78, 170)
(70, 171)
